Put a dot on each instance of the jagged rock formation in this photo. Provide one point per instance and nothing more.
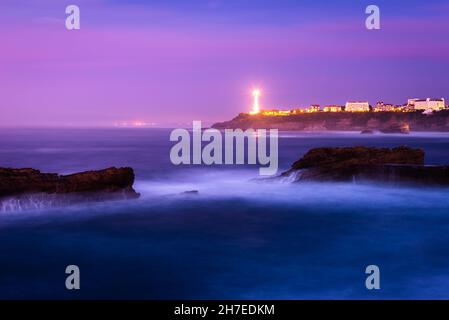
(91, 185)
(401, 165)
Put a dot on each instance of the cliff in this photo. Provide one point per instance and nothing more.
(388, 122)
(401, 165)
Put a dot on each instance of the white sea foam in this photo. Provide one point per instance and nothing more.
(245, 185)
(242, 184)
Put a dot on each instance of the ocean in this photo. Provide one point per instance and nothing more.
(240, 237)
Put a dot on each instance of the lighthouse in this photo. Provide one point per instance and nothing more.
(256, 106)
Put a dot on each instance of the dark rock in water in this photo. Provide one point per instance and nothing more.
(403, 128)
(397, 165)
(91, 185)
(367, 131)
(338, 157)
(191, 192)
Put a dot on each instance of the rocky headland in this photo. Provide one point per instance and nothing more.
(386, 122)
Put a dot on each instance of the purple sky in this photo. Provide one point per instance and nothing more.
(166, 62)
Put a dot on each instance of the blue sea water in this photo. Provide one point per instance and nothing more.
(239, 238)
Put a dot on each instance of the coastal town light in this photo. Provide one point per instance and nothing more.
(256, 106)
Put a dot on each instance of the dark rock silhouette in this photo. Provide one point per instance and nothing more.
(191, 192)
(398, 165)
(90, 185)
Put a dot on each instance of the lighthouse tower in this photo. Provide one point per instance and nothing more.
(256, 106)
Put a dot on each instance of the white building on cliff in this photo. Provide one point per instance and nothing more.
(427, 104)
(357, 106)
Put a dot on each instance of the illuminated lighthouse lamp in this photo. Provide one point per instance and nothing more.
(256, 106)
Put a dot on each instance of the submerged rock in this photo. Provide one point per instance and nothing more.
(111, 183)
(397, 165)
(367, 131)
(190, 192)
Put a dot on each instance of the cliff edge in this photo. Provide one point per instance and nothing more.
(387, 122)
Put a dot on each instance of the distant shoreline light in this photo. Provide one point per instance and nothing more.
(135, 124)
